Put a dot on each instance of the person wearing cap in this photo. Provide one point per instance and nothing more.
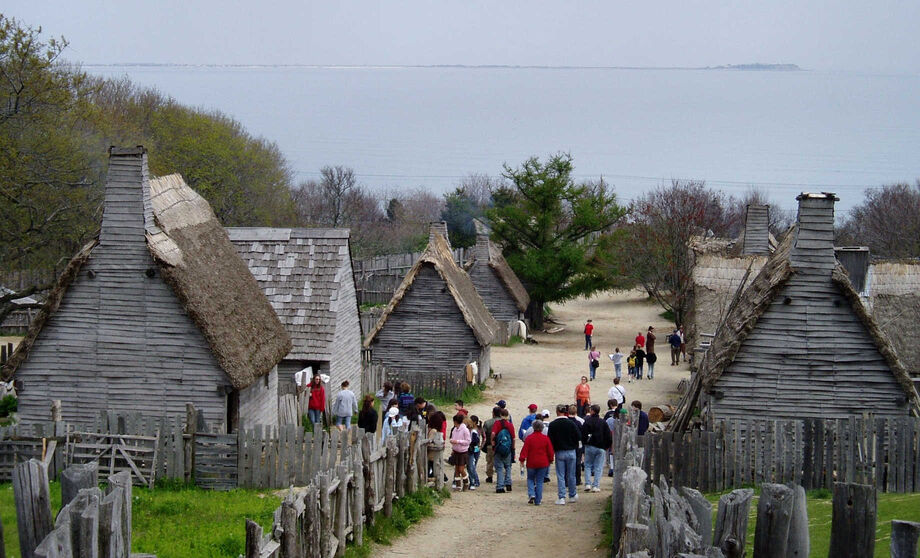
(393, 423)
(528, 420)
(502, 405)
(487, 442)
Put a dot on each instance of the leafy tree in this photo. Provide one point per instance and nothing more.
(654, 251)
(550, 227)
(887, 221)
(470, 200)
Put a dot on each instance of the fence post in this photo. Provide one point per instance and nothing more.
(313, 521)
(341, 508)
(702, 509)
(412, 463)
(370, 479)
(122, 480)
(904, 536)
(33, 505)
(84, 521)
(290, 535)
(77, 477)
(799, 539)
(389, 483)
(357, 502)
(731, 522)
(191, 421)
(774, 514)
(403, 439)
(853, 521)
(253, 539)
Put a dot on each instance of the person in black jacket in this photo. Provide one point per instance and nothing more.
(564, 435)
(595, 435)
(367, 416)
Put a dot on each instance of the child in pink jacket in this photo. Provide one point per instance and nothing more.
(460, 438)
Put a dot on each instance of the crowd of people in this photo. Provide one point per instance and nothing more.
(642, 356)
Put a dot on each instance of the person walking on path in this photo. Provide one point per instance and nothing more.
(589, 332)
(459, 408)
(674, 342)
(617, 392)
(487, 443)
(650, 357)
(640, 361)
(436, 440)
(345, 406)
(617, 358)
(642, 420)
(503, 406)
(317, 403)
(537, 455)
(583, 396)
(595, 435)
(367, 417)
(610, 418)
(475, 450)
(683, 342)
(460, 439)
(528, 420)
(631, 364)
(503, 444)
(385, 394)
(563, 434)
(580, 451)
(594, 361)
(640, 340)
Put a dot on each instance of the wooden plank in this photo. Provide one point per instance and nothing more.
(853, 521)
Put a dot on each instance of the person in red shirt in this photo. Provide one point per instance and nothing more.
(538, 455)
(458, 408)
(317, 403)
(502, 462)
(589, 331)
(640, 340)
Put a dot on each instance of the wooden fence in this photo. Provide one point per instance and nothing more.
(814, 453)
(336, 505)
(376, 279)
(432, 385)
(369, 318)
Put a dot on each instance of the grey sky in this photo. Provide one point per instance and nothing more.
(819, 34)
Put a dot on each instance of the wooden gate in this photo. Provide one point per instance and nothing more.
(216, 461)
(116, 453)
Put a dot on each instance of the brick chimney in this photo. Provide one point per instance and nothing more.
(123, 228)
(813, 250)
(757, 230)
(439, 227)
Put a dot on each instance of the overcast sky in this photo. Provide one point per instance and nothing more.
(817, 34)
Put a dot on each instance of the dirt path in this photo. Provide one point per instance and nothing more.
(477, 523)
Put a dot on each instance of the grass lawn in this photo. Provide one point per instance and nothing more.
(890, 506)
(173, 521)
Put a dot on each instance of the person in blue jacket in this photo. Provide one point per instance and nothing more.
(528, 420)
(643, 418)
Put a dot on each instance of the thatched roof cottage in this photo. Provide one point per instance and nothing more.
(798, 342)
(307, 276)
(436, 321)
(158, 311)
(502, 292)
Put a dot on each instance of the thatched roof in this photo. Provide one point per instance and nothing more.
(508, 277)
(222, 297)
(302, 273)
(52, 302)
(743, 316)
(474, 311)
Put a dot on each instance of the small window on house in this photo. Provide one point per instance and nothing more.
(266, 380)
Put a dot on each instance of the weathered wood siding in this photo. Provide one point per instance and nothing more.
(346, 345)
(121, 340)
(809, 355)
(259, 401)
(493, 292)
(756, 230)
(426, 331)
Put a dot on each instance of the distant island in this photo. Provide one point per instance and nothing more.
(757, 66)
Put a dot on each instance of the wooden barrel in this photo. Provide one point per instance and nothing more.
(661, 413)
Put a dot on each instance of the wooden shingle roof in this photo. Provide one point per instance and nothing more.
(300, 271)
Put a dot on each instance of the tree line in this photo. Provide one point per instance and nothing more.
(562, 237)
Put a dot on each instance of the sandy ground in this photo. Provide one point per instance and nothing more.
(477, 523)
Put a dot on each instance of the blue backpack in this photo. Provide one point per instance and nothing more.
(503, 441)
(406, 401)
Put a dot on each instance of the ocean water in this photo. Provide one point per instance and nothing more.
(784, 132)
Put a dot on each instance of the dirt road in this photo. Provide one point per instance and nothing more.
(478, 523)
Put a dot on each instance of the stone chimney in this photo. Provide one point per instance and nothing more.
(813, 250)
(756, 230)
(439, 227)
(123, 224)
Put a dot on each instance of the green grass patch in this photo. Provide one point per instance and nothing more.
(607, 526)
(820, 508)
(514, 340)
(668, 315)
(369, 306)
(406, 512)
(173, 520)
(471, 394)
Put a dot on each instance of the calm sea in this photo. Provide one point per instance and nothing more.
(404, 127)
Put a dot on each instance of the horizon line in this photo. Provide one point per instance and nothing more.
(751, 66)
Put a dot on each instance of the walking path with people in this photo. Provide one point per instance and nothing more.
(483, 523)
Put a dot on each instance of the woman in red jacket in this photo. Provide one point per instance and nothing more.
(537, 453)
(317, 401)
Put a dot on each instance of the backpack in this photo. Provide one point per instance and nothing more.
(503, 441)
(406, 401)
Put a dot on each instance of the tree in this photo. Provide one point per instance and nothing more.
(654, 252)
(736, 213)
(887, 221)
(550, 227)
(470, 200)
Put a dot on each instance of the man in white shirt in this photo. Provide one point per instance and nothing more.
(617, 392)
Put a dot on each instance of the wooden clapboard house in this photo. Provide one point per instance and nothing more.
(501, 290)
(436, 321)
(157, 312)
(306, 274)
(798, 342)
